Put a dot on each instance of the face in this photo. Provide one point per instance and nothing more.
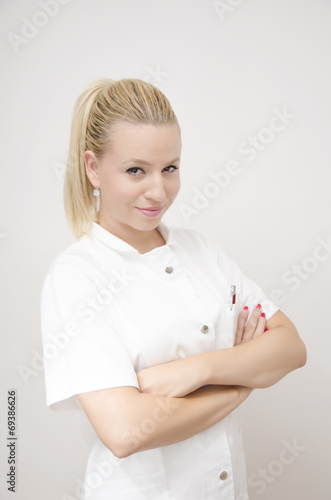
(138, 177)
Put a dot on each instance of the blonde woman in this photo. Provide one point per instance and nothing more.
(154, 332)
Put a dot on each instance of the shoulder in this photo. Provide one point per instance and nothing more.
(87, 256)
(188, 236)
(71, 258)
(192, 239)
(204, 247)
(72, 269)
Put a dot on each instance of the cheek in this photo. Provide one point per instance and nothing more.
(175, 187)
(119, 188)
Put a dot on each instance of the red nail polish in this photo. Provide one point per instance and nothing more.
(245, 308)
(266, 329)
(262, 315)
(258, 306)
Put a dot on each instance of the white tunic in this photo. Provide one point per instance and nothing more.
(108, 311)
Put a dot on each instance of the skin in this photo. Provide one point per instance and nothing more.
(152, 185)
(258, 359)
(199, 390)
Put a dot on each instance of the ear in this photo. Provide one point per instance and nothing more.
(92, 168)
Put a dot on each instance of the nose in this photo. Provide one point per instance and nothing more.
(155, 189)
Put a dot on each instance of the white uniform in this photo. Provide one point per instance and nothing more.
(107, 312)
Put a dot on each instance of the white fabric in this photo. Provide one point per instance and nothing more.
(108, 311)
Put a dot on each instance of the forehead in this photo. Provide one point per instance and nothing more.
(145, 139)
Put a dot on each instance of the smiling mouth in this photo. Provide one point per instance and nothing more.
(151, 212)
(150, 208)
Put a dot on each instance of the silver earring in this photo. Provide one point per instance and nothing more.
(96, 193)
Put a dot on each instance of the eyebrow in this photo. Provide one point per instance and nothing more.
(143, 162)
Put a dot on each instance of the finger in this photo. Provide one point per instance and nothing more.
(252, 324)
(242, 318)
(140, 381)
(260, 326)
(142, 376)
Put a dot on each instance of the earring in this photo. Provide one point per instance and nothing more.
(96, 193)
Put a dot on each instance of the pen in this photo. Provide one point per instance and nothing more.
(232, 296)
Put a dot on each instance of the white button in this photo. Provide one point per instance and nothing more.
(169, 269)
(204, 329)
(223, 475)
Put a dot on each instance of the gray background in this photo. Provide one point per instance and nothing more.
(224, 74)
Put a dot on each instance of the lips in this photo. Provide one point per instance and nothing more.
(150, 208)
(150, 211)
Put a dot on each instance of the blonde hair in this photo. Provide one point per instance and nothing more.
(102, 104)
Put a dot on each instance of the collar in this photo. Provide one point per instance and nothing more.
(116, 243)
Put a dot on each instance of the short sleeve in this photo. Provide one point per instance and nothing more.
(249, 293)
(82, 350)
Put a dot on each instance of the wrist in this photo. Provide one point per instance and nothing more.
(212, 367)
(204, 370)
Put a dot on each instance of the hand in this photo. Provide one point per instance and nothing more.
(255, 326)
(173, 379)
(183, 376)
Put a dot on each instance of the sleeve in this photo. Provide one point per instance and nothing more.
(82, 350)
(249, 293)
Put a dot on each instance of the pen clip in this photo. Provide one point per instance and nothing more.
(233, 290)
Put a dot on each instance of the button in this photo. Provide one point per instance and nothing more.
(223, 475)
(169, 269)
(204, 329)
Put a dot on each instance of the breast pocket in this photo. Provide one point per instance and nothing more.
(227, 326)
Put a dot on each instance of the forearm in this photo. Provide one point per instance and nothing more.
(161, 421)
(259, 363)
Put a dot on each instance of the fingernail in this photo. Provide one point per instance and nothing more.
(262, 315)
(245, 308)
(258, 306)
(266, 329)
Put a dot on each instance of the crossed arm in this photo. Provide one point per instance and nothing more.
(259, 359)
(186, 396)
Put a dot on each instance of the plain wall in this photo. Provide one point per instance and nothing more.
(227, 68)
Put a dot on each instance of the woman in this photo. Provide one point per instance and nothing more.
(158, 335)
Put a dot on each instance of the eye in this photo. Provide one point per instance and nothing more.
(173, 168)
(133, 170)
